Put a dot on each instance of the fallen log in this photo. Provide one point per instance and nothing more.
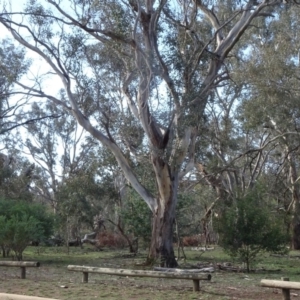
(89, 237)
(4, 296)
(185, 271)
(19, 263)
(89, 241)
(202, 249)
(279, 255)
(75, 243)
(171, 270)
(207, 270)
(230, 268)
(285, 285)
(279, 284)
(139, 273)
(202, 265)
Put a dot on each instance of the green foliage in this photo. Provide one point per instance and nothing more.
(78, 198)
(248, 227)
(18, 232)
(20, 223)
(12, 65)
(37, 211)
(137, 218)
(187, 213)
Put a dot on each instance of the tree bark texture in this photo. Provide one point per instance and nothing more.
(19, 264)
(164, 217)
(296, 234)
(280, 284)
(295, 203)
(139, 273)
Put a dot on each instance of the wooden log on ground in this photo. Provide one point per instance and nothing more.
(138, 273)
(75, 243)
(184, 271)
(230, 268)
(22, 264)
(89, 236)
(4, 296)
(283, 284)
(89, 241)
(173, 270)
(280, 284)
(196, 277)
(279, 255)
(19, 263)
(202, 249)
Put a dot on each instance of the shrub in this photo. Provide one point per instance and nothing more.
(110, 239)
(248, 227)
(18, 231)
(22, 222)
(137, 218)
(191, 241)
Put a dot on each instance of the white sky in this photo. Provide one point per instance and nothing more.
(39, 66)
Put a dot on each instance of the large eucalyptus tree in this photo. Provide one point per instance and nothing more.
(152, 64)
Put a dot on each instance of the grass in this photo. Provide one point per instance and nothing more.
(53, 280)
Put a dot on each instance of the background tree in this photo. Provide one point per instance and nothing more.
(22, 222)
(80, 199)
(250, 227)
(271, 106)
(12, 67)
(54, 144)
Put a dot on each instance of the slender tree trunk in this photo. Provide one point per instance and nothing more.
(5, 251)
(179, 243)
(296, 220)
(248, 264)
(130, 242)
(296, 205)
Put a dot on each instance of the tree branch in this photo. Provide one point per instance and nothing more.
(2, 131)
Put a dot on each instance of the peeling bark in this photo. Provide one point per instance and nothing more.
(162, 238)
(164, 216)
(296, 204)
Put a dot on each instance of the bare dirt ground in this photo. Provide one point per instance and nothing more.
(53, 280)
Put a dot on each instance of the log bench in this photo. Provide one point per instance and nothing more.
(21, 264)
(4, 296)
(283, 284)
(196, 277)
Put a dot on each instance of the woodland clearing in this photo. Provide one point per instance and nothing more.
(53, 279)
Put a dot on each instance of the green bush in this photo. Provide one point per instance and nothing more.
(249, 227)
(137, 218)
(22, 222)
